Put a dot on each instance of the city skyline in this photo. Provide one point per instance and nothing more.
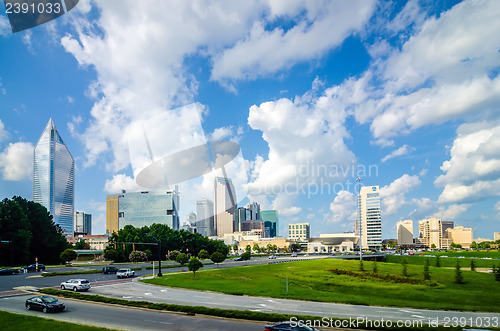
(404, 94)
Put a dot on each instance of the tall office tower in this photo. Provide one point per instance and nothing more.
(431, 233)
(254, 211)
(242, 215)
(54, 177)
(445, 225)
(142, 209)
(270, 219)
(405, 233)
(205, 217)
(225, 206)
(369, 225)
(83, 223)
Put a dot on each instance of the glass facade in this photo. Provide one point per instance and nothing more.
(148, 207)
(205, 217)
(270, 219)
(83, 223)
(54, 177)
(370, 230)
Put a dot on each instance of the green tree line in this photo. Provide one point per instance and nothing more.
(183, 241)
(27, 231)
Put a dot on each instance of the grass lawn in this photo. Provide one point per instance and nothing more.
(10, 321)
(493, 253)
(311, 280)
(449, 261)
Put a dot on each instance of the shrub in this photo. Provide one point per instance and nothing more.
(427, 274)
(458, 274)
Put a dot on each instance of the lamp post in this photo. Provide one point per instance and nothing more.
(359, 179)
(159, 255)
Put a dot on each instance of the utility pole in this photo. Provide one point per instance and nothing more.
(360, 225)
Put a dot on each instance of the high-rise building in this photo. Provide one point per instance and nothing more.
(299, 230)
(496, 236)
(405, 232)
(142, 209)
(253, 211)
(431, 234)
(241, 216)
(369, 223)
(225, 206)
(205, 217)
(271, 225)
(54, 177)
(83, 223)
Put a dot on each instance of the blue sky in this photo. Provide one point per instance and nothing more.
(309, 89)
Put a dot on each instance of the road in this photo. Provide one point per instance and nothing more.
(126, 318)
(140, 291)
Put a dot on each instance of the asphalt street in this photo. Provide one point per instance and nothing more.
(127, 318)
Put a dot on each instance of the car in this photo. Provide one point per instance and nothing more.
(125, 273)
(109, 270)
(76, 285)
(33, 267)
(306, 255)
(8, 271)
(294, 255)
(285, 326)
(44, 303)
(272, 257)
(238, 259)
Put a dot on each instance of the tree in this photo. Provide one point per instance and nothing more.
(375, 267)
(274, 248)
(458, 274)
(182, 259)
(433, 246)
(256, 247)
(496, 272)
(203, 254)
(68, 255)
(217, 258)
(246, 256)
(427, 274)
(361, 266)
(248, 248)
(473, 245)
(295, 247)
(405, 268)
(438, 264)
(194, 264)
(391, 244)
(472, 265)
(110, 254)
(137, 256)
(173, 255)
(82, 244)
(235, 247)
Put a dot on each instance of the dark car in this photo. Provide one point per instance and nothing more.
(33, 267)
(109, 270)
(289, 326)
(8, 271)
(44, 303)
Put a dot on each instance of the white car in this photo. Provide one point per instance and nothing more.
(125, 273)
(76, 285)
(272, 257)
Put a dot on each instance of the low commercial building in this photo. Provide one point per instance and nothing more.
(329, 243)
(281, 243)
(299, 230)
(460, 235)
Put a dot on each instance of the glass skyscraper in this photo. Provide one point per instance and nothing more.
(54, 177)
(205, 217)
(270, 219)
(369, 223)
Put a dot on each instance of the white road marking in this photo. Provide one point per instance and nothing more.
(158, 322)
(149, 293)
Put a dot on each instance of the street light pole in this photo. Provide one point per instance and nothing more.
(359, 179)
(159, 255)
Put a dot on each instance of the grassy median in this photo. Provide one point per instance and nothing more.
(324, 280)
(11, 321)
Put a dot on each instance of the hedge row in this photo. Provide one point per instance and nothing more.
(385, 278)
(226, 313)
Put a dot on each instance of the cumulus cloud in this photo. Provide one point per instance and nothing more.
(267, 50)
(121, 182)
(403, 150)
(343, 208)
(451, 212)
(473, 170)
(306, 146)
(16, 161)
(3, 133)
(393, 196)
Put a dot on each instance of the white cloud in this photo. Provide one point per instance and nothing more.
(121, 182)
(306, 141)
(473, 170)
(393, 196)
(343, 208)
(4, 26)
(290, 211)
(3, 133)
(16, 161)
(451, 212)
(403, 150)
(325, 25)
